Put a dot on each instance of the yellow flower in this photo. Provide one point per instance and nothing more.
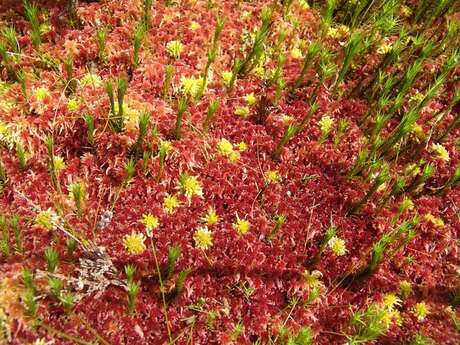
(130, 114)
(418, 131)
(337, 246)
(313, 279)
(417, 97)
(406, 204)
(287, 120)
(242, 146)
(45, 27)
(194, 25)
(41, 94)
(325, 124)
(333, 33)
(382, 187)
(58, 163)
(227, 77)
(421, 310)
(250, 99)
(4, 87)
(4, 130)
(296, 53)
(46, 219)
(166, 146)
(151, 222)
(405, 289)
(406, 11)
(304, 4)
(384, 48)
(397, 318)
(6, 105)
(438, 222)
(77, 190)
(272, 176)
(224, 147)
(191, 86)
(234, 156)
(40, 341)
(390, 300)
(10, 133)
(134, 243)
(190, 186)
(242, 111)
(259, 71)
(246, 15)
(174, 48)
(90, 79)
(242, 226)
(386, 317)
(345, 30)
(170, 203)
(391, 316)
(211, 217)
(203, 238)
(73, 105)
(440, 151)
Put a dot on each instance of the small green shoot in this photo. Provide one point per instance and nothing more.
(31, 14)
(181, 109)
(330, 233)
(173, 254)
(101, 40)
(78, 193)
(5, 241)
(212, 53)
(313, 50)
(89, 120)
(139, 35)
(71, 245)
(17, 233)
(129, 271)
(179, 285)
(30, 302)
(28, 279)
(67, 300)
(147, 13)
(279, 219)
(55, 285)
(7, 62)
(51, 257)
(71, 82)
(143, 124)
(381, 178)
(23, 156)
(133, 290)
(212, 108)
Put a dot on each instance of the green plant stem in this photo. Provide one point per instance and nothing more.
(313, 50)
(212, 53)
(212, 108)
(375, 186)
(162, 290)
(182, 107)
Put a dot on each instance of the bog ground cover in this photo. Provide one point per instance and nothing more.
(229, 172)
